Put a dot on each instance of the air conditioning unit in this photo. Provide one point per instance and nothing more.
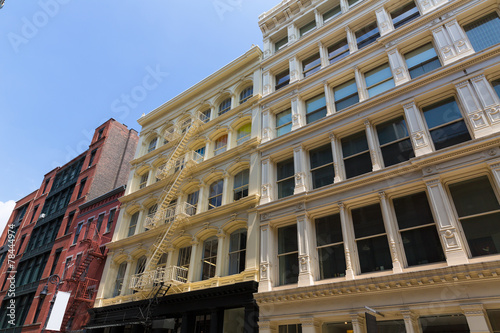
(42, 216)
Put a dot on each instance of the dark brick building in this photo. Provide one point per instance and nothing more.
(46, 221)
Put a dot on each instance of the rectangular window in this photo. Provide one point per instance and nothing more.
(57, 254)
(47, 181)
(120, 276)
(34, 213)
(352, 2)
(338, 51)
(452, 323)
(199, 155)
(422, 60)
(295, 328)
(446, 124)
(237, 251)
(379, 80)
(144, 180)
(283, 122)
(220, 144)
(404, 14)
(21, 244)
(329, 242)
(395, 142)
(345, 95)
(280, 44)
(82, 187)
(496, 86)
(307, 28)
(357, 160)
(215, 194)
(133, 224)
(315, 108)
(478, 211)
(367, 35)
(70, 220)
(286, 178)
(418, 232)
(152, 145)
(77, 232)
(92, 157)
(371, 239)
(225, 106)
(282, 79)
(192, 203)
(99, 134)
(241, 184)
(243, 133)
(111, 219)
(209, 261)
(100, 218)
(311, 65)
(484, 32)
(184, 257)
(206, 115)
(322, 170)
(288, 255)
(332, 13)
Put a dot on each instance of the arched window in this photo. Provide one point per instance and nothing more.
(209, 261)
(246, 94)
(141, 265)
(152, 145)
(143, 182)
(220, 145)
(215, 194)
(133, 224)
(237, 251)
(224, 106)
(243, 133)
(119, 279)
(162, 263)
(241, 184)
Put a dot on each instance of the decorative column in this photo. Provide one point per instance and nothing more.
(348, 241)
(476, 318)
(294, 69)
(310, 325)
(265, 326)
(358, 323)
(192, 261)
(221, 235)
(202, 198)
(319, 18)
(474, 111)
(141, 227)
(360, 84)
(446, 223)
(231, 140)
(299, 161)
(267, 48)
(489, 101)
(126, 279)
(266, 126)
(266, 190)
(226, 189)
(495, 169)
(453, 43)
(416, 127)
(293, 34)
(304, 232)
(297, 113)
(411, 321)
(344, 6)
(265, 283)
(330, 102)
(398, 67)
(266, 81)
(351, 38)
(209, 150)
(373, 146)
(389, 224)
(323, 54)
(254, 174)
(384, 21)
(252, 249)
(338, 164)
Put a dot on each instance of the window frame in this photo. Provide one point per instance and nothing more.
(143, 181)
(339, 12)
(278, 45)
(213, 252)
(217, 194)
(280, 76)
(78, 230)
(421, 64)
(370, 39)
(244, 186)
(281, 181)
(246, 94)
(397, 141)
(283, 281)
(111, 217)
(239, 252)
(132, 225)
(329, 245)
(246, 137)
(405, 20)
(221, 148)
(315, 60)
(152, 144)
(308, 28)
(347, 83)
(314, 169)
(321, 109)
(339, 52)
(357, 154)
(381, 82)
(289, 123)
(224, 106)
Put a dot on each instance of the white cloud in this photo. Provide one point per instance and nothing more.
(6, 209)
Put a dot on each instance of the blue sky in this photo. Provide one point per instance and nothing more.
(65, 66)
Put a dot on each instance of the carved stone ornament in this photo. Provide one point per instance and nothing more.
(450, 239)
(304, 263)
(264, 271)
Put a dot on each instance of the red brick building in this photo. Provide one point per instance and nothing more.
(46, 222)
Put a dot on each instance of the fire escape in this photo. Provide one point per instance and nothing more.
(84, 287)
(157, 281)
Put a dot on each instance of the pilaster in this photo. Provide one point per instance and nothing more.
(346, 235)
(304, 231)
(373, 146)
(419, 137)
(384, 21)
(476, 318)
(396, 253)
(299, 160)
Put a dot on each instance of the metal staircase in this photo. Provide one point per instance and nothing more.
(84, 287)
(174, 172)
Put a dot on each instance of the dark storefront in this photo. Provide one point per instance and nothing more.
(220, 309)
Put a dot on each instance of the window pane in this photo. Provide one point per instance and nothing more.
(484, 32)
(281, 43)
(368, 221)
(358, 165)
(404, 14)
(347, 102)
(311, 62)
(406, 207)
(315, 103)
(354, 144)
(331, 13)
(321, 156)
(308, 27)
(378, 89)
(456, 323)
(374, 254)
(338, 51)
(496, 86)
(286, 188)
(285, 169)
(282, 79)
(441, 113)
(289, 269)
(283, 118)
(287, 239)
(397, 152)
(377, 75)
(331, 261)
(422, 246)
(367, 35)
(474, 196)
(285, 129)
(450, 135)
(328, 230)
(323, 176)
(344, 90)
(422, 60)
